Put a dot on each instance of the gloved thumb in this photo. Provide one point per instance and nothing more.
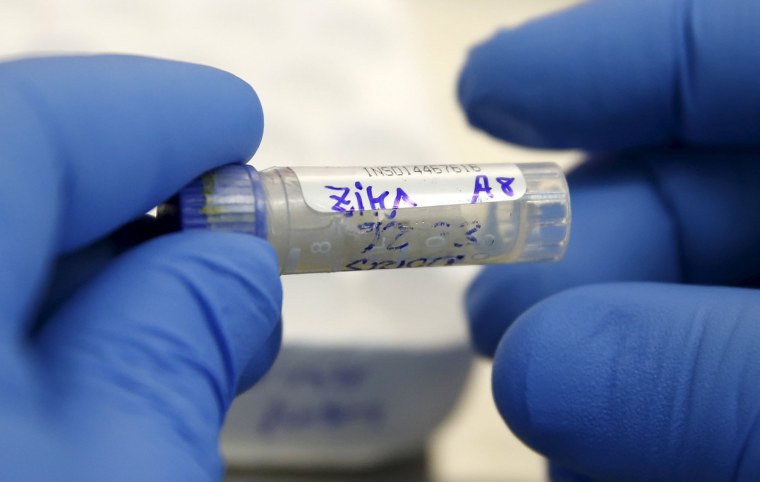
(637, 381)
(158, 344)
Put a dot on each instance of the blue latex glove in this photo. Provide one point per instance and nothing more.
(637, 357)
(129, 377)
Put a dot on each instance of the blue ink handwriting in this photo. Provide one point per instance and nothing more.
(360, 198)
(483, 187)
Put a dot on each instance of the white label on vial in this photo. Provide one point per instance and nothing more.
(347, 189)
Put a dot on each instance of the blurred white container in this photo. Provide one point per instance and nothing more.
(349, 408)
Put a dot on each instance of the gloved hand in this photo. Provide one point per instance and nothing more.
(637, 357)
(128, 376)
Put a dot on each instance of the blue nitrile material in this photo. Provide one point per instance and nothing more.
(637, 356)
(130, 376)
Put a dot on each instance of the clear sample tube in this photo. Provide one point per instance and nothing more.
(324, 219)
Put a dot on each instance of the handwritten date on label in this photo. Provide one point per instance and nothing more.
(386, 235)
(394, 236)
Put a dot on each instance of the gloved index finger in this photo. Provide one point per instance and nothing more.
(618, 74)
(88, 143)
(123, 132)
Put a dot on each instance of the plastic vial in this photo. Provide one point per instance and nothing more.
(323, 219)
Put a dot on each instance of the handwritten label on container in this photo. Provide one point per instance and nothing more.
(349, 189)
